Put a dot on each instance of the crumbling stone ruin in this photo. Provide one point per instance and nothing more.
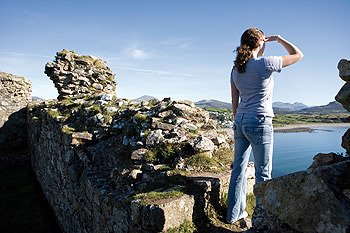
(113, 165)
(314, 200)
(76, 75)
(15, 94)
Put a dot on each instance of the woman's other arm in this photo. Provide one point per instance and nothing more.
(235, 98)
(294, 53)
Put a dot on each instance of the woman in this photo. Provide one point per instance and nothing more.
(252, 83)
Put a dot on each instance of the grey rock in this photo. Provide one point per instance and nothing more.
(190, 126)
(168, 213)
(135, 174)
(154, 137)
(139, 154)
(311, 200)
(203, 144)
(219, 139)
(162, 126)
(343, 96)
(344, 69)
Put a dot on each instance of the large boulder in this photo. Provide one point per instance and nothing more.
(315, 200)
(344, 69)
(343, 95)
(346, 141)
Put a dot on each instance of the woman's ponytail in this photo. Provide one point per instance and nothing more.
(244, 53)
(249, 42)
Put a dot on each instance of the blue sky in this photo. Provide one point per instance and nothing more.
(180, 49)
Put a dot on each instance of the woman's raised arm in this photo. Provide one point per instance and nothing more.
(294, 53)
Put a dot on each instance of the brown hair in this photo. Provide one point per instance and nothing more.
(249, 42)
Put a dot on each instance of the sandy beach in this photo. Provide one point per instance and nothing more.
(307, 127)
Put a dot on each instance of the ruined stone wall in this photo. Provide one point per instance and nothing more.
(79, 194)
(77, 75)
(15, 94)
(91, 165)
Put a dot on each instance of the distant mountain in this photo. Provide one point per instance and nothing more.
(332, 107)
(280, 107)
(288, 106)
(144, 98)
(213, 104)
(37, 98)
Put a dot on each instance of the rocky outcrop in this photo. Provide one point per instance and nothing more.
(322, 159)
(15, 94)
(343, 95)
(76, 75)
(315, 200)
(346, 141)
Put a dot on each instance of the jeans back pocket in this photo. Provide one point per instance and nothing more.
(261, 134)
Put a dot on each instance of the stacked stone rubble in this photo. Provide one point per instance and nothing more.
(92, 154)
(75, 75)
(15, 94)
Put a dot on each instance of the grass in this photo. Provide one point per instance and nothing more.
(186, 227)
(22, 206)
(163, 153)
(147, 198)
(217, 163)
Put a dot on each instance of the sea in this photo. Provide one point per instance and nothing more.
(295, 151)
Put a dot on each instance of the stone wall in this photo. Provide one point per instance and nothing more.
(15, 94)
(92, 165)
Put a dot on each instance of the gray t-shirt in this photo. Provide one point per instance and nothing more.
(255, 85)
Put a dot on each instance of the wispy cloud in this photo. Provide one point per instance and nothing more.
(154, 71)
(136, 52)
(179, 43)
(139, 54)
(23, 54)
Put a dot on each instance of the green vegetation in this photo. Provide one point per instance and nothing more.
(54, 114)
(164, 153)
(220, 110)
(147, 198)
(201, 162)
(22, 205)
(141, 118)
(186, 227)
(68, 130)
(287, 119)
(217, 163)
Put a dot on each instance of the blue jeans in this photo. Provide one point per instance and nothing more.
(250, 132)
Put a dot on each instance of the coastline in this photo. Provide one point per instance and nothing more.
(306, 127)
